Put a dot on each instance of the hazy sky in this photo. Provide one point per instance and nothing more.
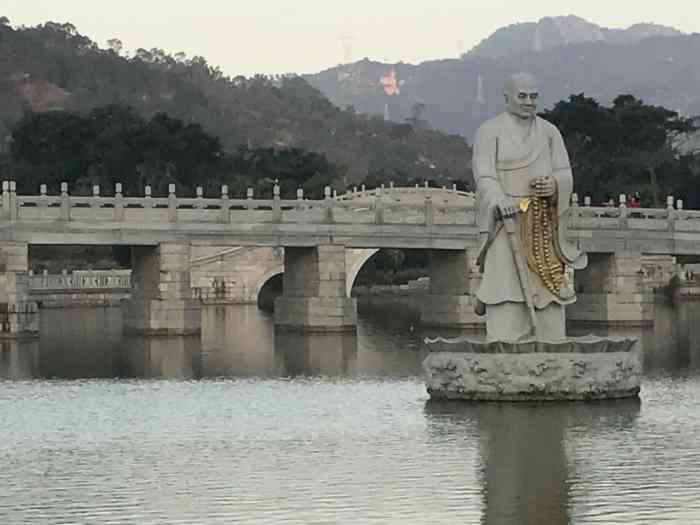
(304, 36)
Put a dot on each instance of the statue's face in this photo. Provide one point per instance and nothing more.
(521, 97)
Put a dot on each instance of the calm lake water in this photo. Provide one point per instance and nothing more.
(250, 426)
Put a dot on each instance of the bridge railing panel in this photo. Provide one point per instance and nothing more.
(687, 221)
(688, 215)
(83, 280)
(460, 215)
(358, 215)
(647, 224)
(404, 215)
(86, 214)
(145, 215)
(32, 213)
(201, 215)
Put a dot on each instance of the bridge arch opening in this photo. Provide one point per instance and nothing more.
(392, 267)
(271, 287)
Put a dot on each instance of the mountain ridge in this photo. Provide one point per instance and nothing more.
(53, 67)
(556, 31)
(456, 95)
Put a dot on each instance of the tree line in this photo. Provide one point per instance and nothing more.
(53, 67)
(628, 147)
(114, 143)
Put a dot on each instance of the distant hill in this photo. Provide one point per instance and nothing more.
(54, 67)
(557, 31)
(654, 63)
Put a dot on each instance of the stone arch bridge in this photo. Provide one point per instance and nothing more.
(165, 233)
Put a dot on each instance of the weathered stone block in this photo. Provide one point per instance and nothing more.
(585, 368)
(161, 301)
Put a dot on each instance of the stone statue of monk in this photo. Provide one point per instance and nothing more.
(522, 172)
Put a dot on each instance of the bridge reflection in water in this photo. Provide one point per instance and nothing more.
(241, 341)
(252, 424)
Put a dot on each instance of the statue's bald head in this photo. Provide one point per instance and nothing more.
(521, 94)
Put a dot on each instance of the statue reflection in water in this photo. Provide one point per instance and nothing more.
(525, 473)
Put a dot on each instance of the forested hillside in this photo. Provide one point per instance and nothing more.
(53, 81)
(456, 95)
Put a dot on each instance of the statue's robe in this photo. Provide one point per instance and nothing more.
(507, 156)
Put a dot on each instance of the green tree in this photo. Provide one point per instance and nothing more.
(626, 147)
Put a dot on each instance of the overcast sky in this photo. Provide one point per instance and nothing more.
(304, 36)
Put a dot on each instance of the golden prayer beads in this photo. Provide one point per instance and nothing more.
(538, 237)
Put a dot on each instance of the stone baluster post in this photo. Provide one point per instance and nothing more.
(172, 203)
(43, 201)
(276, 204)
(429, 211)
(95, 202)
(622, 221)
(670, 213)
(199, 202)
(249, 197)
(118, 203)
(587, 201)
(574, 205)
(65, 202)
(148, 200)
(6, 200)
(225, 214)
(328, 206)
(300, 199)
(378, 209)
(14, 201)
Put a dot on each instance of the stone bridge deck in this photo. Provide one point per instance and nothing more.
(379, 218)
(316, 234)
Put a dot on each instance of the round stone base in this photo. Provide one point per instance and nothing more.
(584, 368)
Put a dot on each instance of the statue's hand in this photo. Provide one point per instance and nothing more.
(507, 207)
(543, 187)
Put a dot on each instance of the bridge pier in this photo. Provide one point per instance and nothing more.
(449, 302)
(19, 315)
(611, 291)
(315, 297)
(161, 294)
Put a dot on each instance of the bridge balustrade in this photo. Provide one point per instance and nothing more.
(425, 206)
(173, 209)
